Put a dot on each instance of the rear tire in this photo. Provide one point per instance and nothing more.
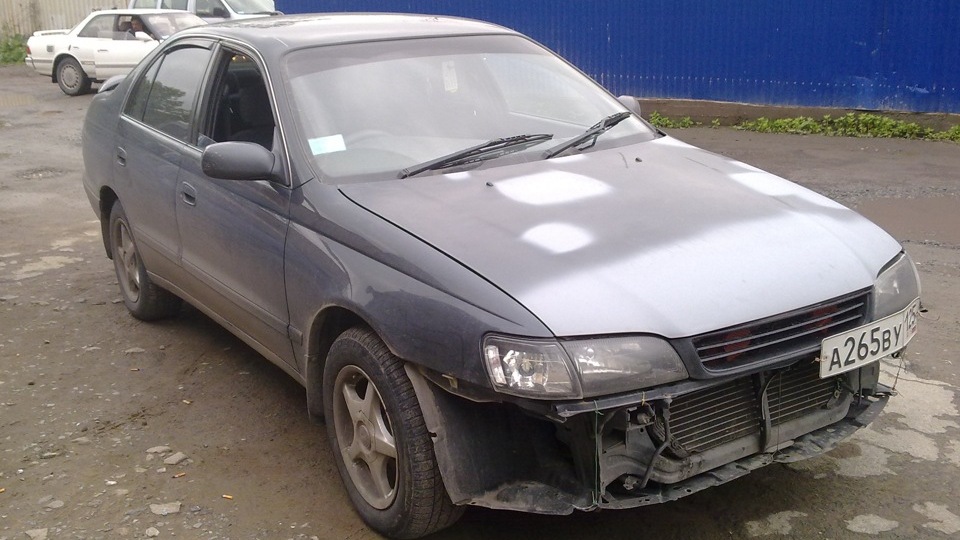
(381, 444)
(71, 77)
(145, 300)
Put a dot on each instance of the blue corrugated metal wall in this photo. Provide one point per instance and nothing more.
(863, 54)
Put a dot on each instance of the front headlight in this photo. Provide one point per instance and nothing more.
(621, 364)
(580, 367)
(531, 368)
(896, 287)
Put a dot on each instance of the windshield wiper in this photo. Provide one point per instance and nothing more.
(491, 149)
(592, 132)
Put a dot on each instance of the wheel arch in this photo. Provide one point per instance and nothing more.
(326, 326)
(60, 58)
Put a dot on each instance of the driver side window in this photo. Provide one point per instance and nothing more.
(242, 110)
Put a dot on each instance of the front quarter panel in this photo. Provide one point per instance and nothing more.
(427, 308)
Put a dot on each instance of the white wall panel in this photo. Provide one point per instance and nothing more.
(26, 16)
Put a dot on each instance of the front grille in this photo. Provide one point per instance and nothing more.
(708, 418)
(790, 334)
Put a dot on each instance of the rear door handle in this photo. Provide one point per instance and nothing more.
(121, 156)
(188, 193)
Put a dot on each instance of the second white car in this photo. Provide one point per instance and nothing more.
(106, 43)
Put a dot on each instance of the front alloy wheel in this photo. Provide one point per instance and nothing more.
(365, 437)
(381, 444)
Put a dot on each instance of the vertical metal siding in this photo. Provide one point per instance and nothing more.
(865, 54)
(27, 16)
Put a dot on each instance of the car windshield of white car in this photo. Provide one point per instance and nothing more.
(368, 110)
(252, 7)
(164, 25)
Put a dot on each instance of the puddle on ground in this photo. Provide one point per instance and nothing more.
(37, 268)
(927, 219)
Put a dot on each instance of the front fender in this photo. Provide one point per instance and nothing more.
(426, 307)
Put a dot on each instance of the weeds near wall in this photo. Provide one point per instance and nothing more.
(848, 125)
(661, 121)
(13, 48)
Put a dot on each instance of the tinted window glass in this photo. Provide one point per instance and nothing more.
(138, 97)
(172, 95)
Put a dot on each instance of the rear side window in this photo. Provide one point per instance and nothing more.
(99, 26)
(138, 98)
(145, 4)
(166, 96)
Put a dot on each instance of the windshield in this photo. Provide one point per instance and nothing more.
(166, 24)
(251, 7)
(367, 111)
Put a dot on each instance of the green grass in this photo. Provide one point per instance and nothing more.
(661, 121)
(847, 125)
(13, 48)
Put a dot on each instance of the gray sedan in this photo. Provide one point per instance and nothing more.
(498, 285)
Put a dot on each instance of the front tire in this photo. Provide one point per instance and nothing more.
(71, 77)
(380, 441)
(144, 299)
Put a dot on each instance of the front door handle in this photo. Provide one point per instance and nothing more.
(188, 193)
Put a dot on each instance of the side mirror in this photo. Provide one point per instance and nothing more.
(143, 36)
(630, 103)
(239, 161)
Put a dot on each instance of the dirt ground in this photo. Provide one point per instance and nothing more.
(113, 428)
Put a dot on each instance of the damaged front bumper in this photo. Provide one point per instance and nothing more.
(645, 448)
(812, 444)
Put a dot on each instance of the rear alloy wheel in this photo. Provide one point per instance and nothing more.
(383, 450)
(145, 300)
(71, 77)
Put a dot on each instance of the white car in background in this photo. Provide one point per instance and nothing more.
(214, 11)
(103, 45)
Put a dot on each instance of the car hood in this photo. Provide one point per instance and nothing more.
(658, 237)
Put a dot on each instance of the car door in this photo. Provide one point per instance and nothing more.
(120, 55)
(156, 122)
(97, 32)
(233, 231)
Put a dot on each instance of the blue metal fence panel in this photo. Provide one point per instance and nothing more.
(862, 54)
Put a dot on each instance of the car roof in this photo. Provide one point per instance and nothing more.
(272, 35)
(135, 11)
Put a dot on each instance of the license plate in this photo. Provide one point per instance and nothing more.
(869, 343)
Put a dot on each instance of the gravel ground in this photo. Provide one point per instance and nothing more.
(113, 428)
